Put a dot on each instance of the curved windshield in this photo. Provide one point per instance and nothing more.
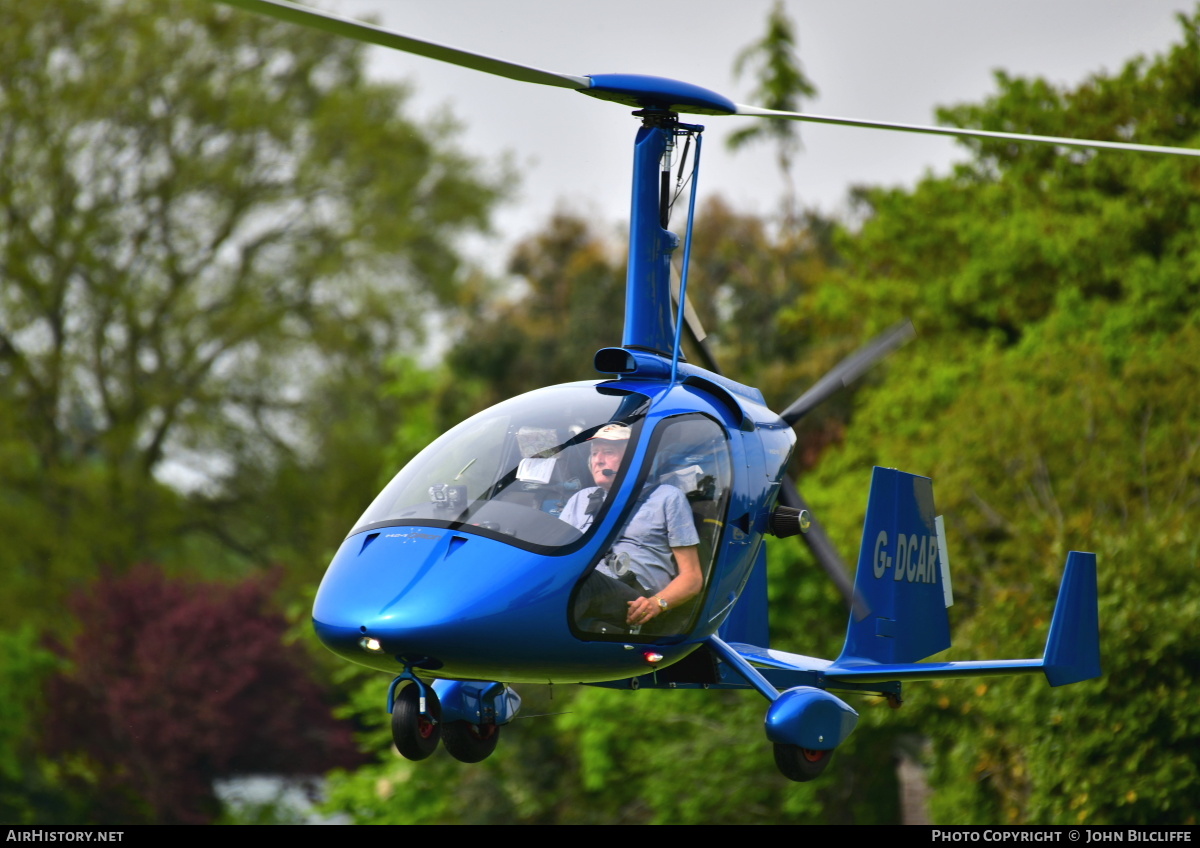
(508, 471)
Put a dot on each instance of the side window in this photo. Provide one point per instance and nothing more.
(673, 529)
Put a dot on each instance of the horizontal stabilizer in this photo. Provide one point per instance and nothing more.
(1072, 647)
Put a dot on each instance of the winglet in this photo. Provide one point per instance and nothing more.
(1073, 646)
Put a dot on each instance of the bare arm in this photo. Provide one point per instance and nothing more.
(686, 585)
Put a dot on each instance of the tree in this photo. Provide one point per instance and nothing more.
(207, 216)
(781, 85)
(28, 791)
(1050, 397)
(571, 305)
(174, 684)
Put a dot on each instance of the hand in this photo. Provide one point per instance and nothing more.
(641, 611)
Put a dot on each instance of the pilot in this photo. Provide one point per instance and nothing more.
(654, 565)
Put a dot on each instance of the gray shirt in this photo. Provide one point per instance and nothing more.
(662, 520)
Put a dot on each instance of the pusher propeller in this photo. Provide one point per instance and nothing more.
(843, 373)
(848, 370)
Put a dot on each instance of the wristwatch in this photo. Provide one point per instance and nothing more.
(662, 604)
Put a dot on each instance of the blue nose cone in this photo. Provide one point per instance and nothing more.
(447, 602)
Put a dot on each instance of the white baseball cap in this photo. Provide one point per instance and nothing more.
(613, 433)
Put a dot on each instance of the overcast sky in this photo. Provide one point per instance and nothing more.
(883, 59)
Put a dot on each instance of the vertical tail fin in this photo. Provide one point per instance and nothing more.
(1073, 646)
(903, 576)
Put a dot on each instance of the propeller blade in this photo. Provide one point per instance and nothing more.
(756, 112)
(691, 321)
(359, 31)
(816, 538)
(848, 370)
(826, 554)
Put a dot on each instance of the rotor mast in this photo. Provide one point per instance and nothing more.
(649, 323)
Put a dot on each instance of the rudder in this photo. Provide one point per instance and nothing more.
(903, 576)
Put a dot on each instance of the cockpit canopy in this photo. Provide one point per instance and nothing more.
(508, 471)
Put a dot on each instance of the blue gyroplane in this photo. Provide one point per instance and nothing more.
(473, 569)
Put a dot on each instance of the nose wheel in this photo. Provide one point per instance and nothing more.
(414, 733)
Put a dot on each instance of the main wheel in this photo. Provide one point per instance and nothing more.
(470, 743)
(801, 764)
(415, 735)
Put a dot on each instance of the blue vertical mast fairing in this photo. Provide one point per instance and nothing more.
(648, 320)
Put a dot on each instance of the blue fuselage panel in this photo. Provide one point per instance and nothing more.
(463, 606)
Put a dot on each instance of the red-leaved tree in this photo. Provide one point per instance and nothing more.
(174, 684)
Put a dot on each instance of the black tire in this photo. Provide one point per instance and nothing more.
(416, 736)
(470, 743)
(801, 764)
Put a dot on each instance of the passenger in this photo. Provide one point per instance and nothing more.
(654, 566)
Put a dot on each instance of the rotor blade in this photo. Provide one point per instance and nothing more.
(822, 548)
(359, 31)
(710, 361)
(848, 370)
(633, 89)
(756, 112)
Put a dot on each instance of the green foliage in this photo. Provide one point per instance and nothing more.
(1063, 453)
(25, 665)
(781, 83)
(1051, 397)
(28, 794)
(216, 231)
